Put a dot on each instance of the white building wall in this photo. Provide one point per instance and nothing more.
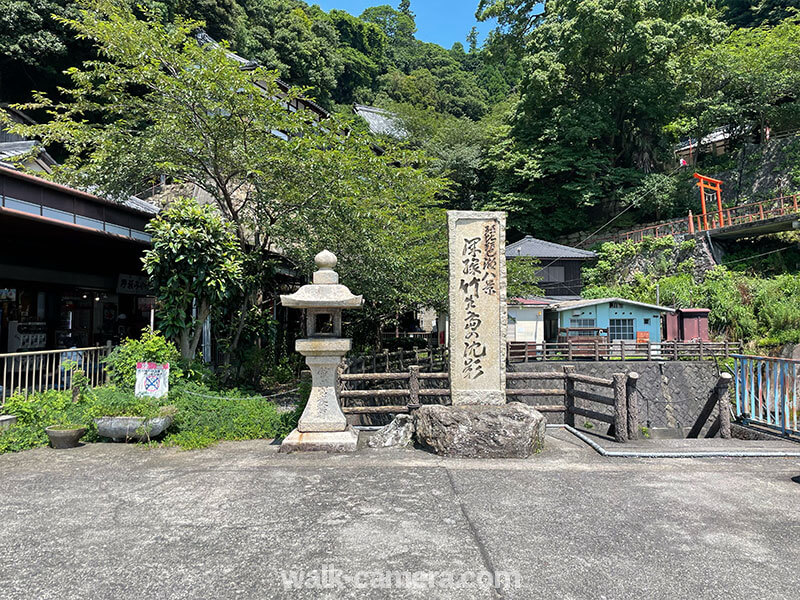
(529, 324)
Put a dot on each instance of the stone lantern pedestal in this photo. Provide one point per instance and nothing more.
(323, 426)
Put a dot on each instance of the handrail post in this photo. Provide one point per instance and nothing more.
(596, 351)
(620, 407)
(649, 350)
(569, 396)
(527, 345)
(622, 349)
(723, 405)
(569, 349)
(413, 387)
(386, 356)
(700, 345)
(633, 405)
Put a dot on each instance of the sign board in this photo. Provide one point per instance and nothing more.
(642, 337)
(478, 311)
(152, 380)
(133, 284)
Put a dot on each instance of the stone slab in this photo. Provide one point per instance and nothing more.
(478, 310)
(333, 441)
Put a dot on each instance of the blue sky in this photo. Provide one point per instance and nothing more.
(441, 21)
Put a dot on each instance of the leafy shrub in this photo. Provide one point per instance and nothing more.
(150, 347)
(750, 308)
(201, 416)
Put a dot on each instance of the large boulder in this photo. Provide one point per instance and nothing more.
(397, 434)
(511, 430)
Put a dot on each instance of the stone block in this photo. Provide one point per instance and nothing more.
(511, 430)
(478, 310)
(329, 441)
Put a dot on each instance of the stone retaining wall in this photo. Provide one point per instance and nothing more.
(674, 396)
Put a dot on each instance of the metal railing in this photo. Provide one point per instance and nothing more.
(737, 215)
(619, 350)
(30, 372)
(766, 392)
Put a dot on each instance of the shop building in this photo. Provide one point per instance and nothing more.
(70, 265)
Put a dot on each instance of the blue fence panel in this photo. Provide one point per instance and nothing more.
(766, 391)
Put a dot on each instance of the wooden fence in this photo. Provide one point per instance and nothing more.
(413, 388)
(28, 372)
(430, 359)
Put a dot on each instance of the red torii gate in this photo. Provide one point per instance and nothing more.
(711, 187)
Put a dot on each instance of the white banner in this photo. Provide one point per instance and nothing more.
(152, 380)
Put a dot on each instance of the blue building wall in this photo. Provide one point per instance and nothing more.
(644, 319)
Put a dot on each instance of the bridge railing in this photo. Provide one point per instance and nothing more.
(752, 213)
(766, 392)
(736, 215)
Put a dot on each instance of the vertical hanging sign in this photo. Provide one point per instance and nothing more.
(478, 311)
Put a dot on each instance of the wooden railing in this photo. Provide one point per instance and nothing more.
(619, 350)
(408, 394)
(28, 372)
(431, 359)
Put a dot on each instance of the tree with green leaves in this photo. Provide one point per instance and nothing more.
(363, 51)
(745, 83)
(599, 86)
(298, 41)
(524, 277)
(194, 266)
(754, 13)
(159, 103)
(398, 26)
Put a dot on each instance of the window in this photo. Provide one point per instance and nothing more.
(621, 329)
(647, 321)
(616, 305)
(551, 274)
(582, 323)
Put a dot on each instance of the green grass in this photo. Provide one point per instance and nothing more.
(201, 417)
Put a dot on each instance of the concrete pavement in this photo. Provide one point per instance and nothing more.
(241, 521)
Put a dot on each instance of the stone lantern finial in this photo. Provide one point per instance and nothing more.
(326, 260)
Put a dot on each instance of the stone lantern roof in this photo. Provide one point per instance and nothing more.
(325, 291)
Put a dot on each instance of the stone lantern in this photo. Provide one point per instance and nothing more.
(323, 425)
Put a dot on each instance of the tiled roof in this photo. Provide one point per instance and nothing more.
(380, 121)
(536, 248)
